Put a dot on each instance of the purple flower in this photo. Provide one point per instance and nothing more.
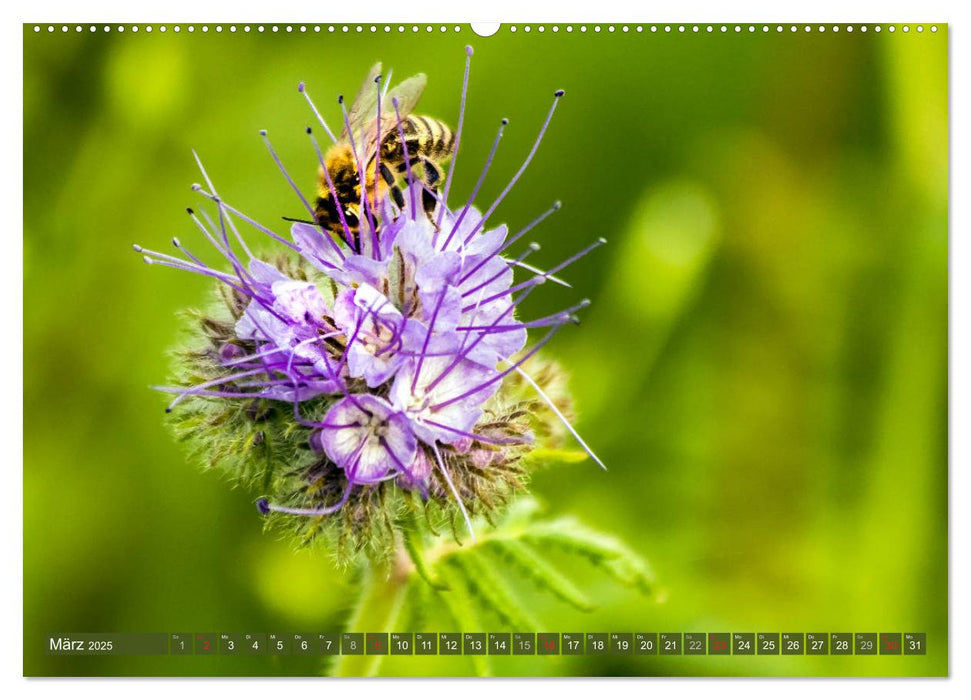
(425, 389)
(416, 474)
(385, 347)
(377, 334)
(368, 438)
(294, 314)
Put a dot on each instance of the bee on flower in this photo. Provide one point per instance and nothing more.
(377, 367)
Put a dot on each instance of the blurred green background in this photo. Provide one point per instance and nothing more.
(764, 366)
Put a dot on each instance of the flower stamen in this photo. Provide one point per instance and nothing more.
(361, 175)
(502, 195)
(404, 150)
(475, 190)
(499, 376)
(279, 164)
(302, 89)
(458, 138)
(499, 250)
(540, 279)
(266, 507)
(455, 493)
(348, 237)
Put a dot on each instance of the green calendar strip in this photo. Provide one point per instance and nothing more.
(492, 644)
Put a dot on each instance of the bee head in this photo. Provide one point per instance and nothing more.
(325, 211)
(342, 166)
(333, 219)
(351, 215)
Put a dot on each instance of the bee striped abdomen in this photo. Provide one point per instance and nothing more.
(424, 137)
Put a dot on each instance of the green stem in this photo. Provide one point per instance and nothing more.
(412, 540)
(378, 609)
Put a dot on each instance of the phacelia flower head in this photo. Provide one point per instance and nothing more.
(362, 375)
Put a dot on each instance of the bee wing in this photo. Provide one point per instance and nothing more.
(365, 104)
(407, 93)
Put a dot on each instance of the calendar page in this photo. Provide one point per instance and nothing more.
(431, 350)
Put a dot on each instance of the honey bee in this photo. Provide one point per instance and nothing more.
(428, 144)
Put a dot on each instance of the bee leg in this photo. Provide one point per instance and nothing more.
(391, 182)
(428, 202)
(431, 176)
(403, 166)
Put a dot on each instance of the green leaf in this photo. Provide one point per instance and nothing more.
(606, 552)
(540, 571)
(469, 581)
(493, 591)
